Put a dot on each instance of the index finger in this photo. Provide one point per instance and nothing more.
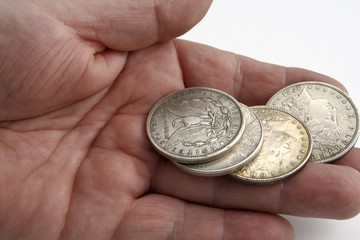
(250, 81)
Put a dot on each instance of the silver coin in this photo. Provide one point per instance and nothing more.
(328, 112)
(286, 148)
(242, 153)
(195, 125)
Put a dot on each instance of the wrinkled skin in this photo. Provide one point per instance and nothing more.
(77, 79)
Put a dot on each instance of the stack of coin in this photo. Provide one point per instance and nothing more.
(206, 132)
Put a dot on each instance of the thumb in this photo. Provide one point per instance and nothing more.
(130, 25)
(73, 43)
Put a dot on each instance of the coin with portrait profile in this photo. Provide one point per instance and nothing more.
(286, 148)
(328, 112)
(195, 125)
(242, 153)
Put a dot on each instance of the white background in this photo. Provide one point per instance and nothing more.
(319, 35)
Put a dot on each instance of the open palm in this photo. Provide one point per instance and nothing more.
(76, 83)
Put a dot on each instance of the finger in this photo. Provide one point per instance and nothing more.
(129, 25)
(250, 81)
(160, 217)
(319, 190)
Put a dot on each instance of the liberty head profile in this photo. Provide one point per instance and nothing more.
(277, 144)
(319, 115)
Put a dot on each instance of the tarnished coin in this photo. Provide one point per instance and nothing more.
(286, 148)
(242, 153)
(328, 112)
(195, 125)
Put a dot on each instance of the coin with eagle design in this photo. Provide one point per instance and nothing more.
(195, 125)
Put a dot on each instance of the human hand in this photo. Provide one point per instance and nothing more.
(76, 162)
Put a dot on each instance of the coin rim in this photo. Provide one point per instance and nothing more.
(348, 98)
(223, 171)
(196, 159)
(272, 180)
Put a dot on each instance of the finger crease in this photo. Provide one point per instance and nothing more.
(157, 17)
(281, 197)
(237, 77)
(217, 187)
(178, 223)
